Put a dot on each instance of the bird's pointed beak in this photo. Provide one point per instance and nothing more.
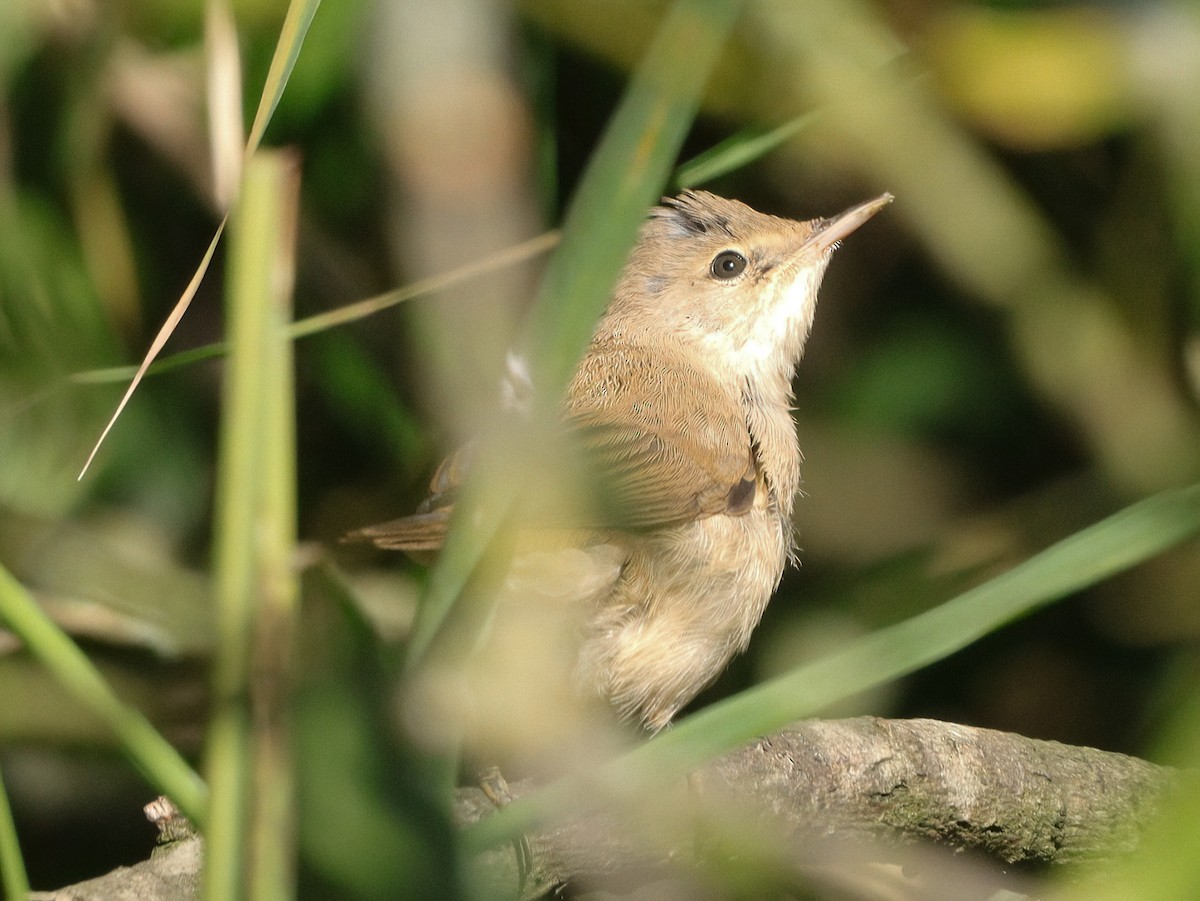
(829, 231)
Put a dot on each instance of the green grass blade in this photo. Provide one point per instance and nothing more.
(625, 176)
(13, 880)
(291, 38)
(1131, 536)
(149, 752)
(272, 875)
(1124, 539)
(738, 150)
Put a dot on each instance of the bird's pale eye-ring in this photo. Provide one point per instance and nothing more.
(727, 264)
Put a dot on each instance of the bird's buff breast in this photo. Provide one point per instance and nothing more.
(686, 602)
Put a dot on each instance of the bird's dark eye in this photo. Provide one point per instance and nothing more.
(728, 264)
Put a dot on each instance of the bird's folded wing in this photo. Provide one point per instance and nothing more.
(664, 444)
(661, 444)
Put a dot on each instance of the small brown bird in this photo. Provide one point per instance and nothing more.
(683, 403)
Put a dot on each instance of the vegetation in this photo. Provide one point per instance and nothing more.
(998, 408)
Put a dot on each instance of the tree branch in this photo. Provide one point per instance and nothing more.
(806, 795)
(873, 782)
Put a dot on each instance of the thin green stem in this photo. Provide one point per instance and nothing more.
(250, 836)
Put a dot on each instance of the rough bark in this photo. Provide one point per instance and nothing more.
(171, 874)
(824, 787)
(830, 785)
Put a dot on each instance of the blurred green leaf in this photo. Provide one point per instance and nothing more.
(50, 322)
(160, 763)
(12, 867)
(371, 826)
